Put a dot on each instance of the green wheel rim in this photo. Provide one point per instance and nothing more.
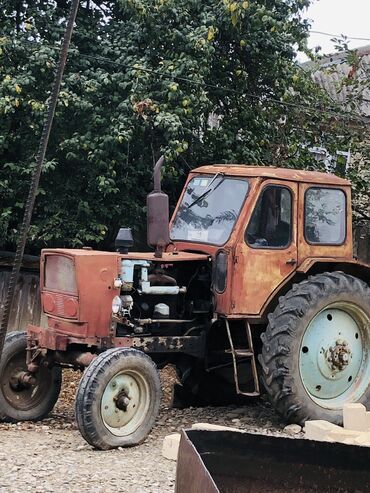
(333, 358)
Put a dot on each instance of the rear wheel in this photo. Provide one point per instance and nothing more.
(118, 399)
(21, 398)
(315, 355)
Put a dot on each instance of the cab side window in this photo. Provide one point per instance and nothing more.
(271, 222)
(325, 216)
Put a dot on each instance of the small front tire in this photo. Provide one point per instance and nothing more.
(20, 402)
(118, 399)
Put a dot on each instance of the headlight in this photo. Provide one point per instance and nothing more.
(116, 304)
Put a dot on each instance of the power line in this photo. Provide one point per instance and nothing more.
(265, 98)
(339, 36)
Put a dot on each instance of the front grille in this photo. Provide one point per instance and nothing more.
(60, 305)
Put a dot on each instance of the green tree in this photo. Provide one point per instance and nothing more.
(146, 77)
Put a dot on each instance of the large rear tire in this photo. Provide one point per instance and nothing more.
(315, 355)
(25, 402)
(118, 399)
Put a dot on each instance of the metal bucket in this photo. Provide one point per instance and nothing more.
(240, 462)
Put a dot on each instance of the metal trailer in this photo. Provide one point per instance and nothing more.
(240, 462)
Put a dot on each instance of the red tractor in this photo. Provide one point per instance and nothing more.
(256, 260)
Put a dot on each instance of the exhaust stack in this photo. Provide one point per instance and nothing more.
(157, 213)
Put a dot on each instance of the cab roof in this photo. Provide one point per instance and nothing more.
(273, 172)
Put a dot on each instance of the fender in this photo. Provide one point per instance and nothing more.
(311, 266)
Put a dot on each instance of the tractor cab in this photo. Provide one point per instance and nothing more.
(262, 226)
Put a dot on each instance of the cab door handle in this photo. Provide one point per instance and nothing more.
(291, 261)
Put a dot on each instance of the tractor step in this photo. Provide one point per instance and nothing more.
(239, 353)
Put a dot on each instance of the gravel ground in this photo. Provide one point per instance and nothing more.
(51, 456)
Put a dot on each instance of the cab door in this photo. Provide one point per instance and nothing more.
(266, 254)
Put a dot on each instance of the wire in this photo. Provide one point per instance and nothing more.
(339, 36)
(265, 98)
(345, 115)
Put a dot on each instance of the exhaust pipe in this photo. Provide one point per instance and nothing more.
(157, 213)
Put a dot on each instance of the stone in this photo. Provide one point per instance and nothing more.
(319, 430)
(240, 410)
(170, 447)
(293, 429)
(354, 417)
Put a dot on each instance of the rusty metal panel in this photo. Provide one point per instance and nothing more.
(362, 242)
(240, 462)
(27, 305)
(192, 476)
(265, 172)
(259, 271)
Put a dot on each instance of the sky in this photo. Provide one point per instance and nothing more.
(349, 17)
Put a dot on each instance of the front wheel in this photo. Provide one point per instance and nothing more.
(21, 400)
(315, 355)
(118, 399)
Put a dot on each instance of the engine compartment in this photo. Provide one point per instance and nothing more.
(160, 298)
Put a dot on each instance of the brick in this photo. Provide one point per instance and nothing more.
(170, 447)
(320, 430)
(355, 417)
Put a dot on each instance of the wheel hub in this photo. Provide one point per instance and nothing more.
(338, 356)
(20, 379)
(122, 401)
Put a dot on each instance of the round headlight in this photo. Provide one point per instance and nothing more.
(116, 304)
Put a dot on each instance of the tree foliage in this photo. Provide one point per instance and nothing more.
(146, 77)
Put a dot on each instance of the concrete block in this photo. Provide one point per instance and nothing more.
(344, 436)
(170, 446)
(320, 430)
(211, 427)
(363, 439)
(355, 417)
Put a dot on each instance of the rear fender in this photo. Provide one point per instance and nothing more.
(313, 266)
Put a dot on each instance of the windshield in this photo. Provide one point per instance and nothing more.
(209, 209)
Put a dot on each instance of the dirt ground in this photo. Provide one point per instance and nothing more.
(51, 456)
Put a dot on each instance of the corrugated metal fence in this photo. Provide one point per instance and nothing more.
(362, 242)
(27, 305)
(27, 309)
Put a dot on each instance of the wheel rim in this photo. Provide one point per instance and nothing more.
(125, 403)
(20, 396)
(333, 358)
